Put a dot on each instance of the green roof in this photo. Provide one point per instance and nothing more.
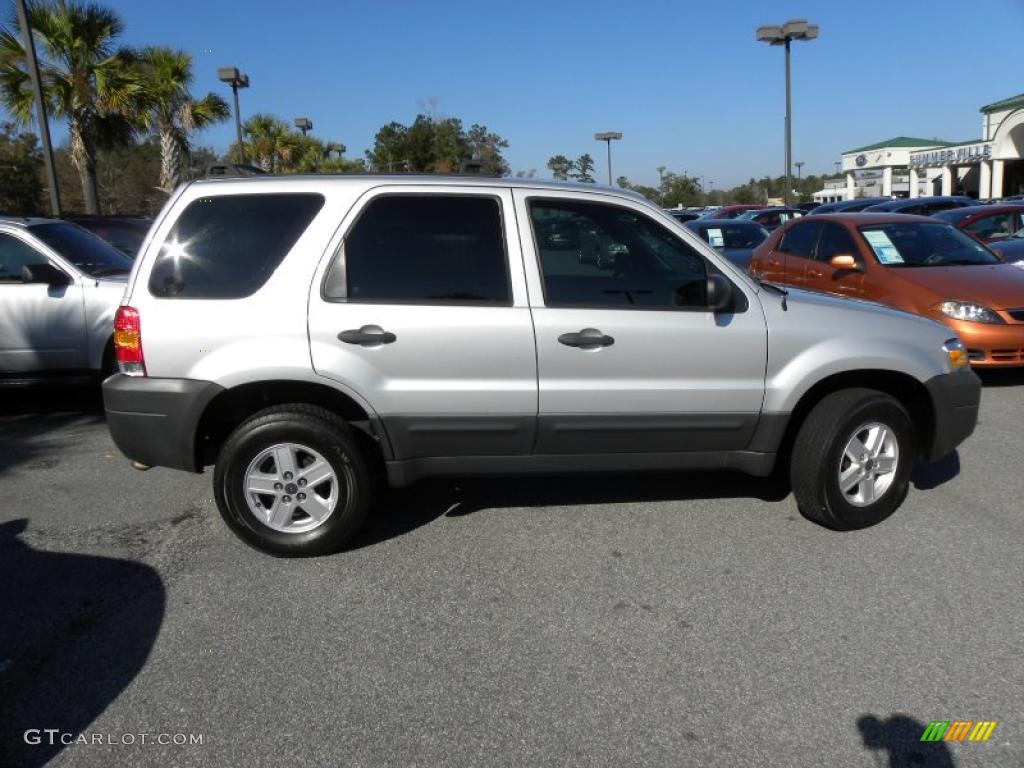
(903, 141)
(998, 106)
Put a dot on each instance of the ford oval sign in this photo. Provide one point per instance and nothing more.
(862, 159)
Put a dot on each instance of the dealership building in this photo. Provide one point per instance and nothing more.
(989, 167)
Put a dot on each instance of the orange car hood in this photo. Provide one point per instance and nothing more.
(999, 286)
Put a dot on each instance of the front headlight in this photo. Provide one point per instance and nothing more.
(956, 353)
(965, 310)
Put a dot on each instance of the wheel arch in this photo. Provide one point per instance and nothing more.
(911, 393)
(232, 406)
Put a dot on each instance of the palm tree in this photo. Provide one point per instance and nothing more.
(87, 79)
(173, 112)
(270, 141)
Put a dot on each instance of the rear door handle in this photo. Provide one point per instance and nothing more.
(368, 335)
(588, 338)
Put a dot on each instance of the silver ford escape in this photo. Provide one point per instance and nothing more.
(302, 333)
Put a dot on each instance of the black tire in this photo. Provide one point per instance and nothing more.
(312, 427)
(819, 449)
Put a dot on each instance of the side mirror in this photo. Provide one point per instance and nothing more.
(719, 293)
(844, 261)
(43, 273)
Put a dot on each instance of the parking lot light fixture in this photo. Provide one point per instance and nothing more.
(794, 29)
(303, 124)
(608, 137)
(236, 80)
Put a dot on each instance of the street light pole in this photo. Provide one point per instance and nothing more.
(303, 124)
(661, 184)
(37, 88)
(789, 135)
(794, 29)
(236, 80)
(608, 137)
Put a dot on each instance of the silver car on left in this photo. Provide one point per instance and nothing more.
(59, 289)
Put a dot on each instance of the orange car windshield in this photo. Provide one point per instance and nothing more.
(921, 244)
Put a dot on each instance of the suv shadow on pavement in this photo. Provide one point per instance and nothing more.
(899, 737)
(402, 510)
(75, 631)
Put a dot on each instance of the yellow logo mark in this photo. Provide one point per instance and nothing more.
(982, 730)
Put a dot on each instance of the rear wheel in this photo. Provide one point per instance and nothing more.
(852, 459)
(292, 481)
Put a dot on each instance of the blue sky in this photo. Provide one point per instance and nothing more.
(685, 82)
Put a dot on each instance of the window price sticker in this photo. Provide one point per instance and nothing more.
(715, 238)
(883, 247)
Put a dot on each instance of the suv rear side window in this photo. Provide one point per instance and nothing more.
(424, 249)
(228, 246)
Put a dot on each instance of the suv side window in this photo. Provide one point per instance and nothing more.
(835, 241)
(15, 254)
(424, 249)
(228, 246)
(600, 255)
(800, 239)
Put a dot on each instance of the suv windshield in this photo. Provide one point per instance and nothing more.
(87, 252)
(921, 244)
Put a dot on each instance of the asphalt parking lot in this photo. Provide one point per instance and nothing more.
(638, 620)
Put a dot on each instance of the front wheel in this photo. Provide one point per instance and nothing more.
(852, 459)
(292, 481)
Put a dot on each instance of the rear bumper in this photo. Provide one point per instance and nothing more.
(955, 398)
(154, 421)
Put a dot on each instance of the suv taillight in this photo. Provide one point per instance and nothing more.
(128, 342)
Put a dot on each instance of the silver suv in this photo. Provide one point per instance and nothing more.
(301, 333)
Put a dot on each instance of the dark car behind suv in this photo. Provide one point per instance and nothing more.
(848, 206)
(921, 206)
(125, 233)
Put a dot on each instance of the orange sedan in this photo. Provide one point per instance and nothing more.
(914, 263)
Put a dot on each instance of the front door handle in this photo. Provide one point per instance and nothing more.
(588, 338)
(368, 335)
(815, 273)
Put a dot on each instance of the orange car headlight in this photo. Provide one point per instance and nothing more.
(966, 310)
